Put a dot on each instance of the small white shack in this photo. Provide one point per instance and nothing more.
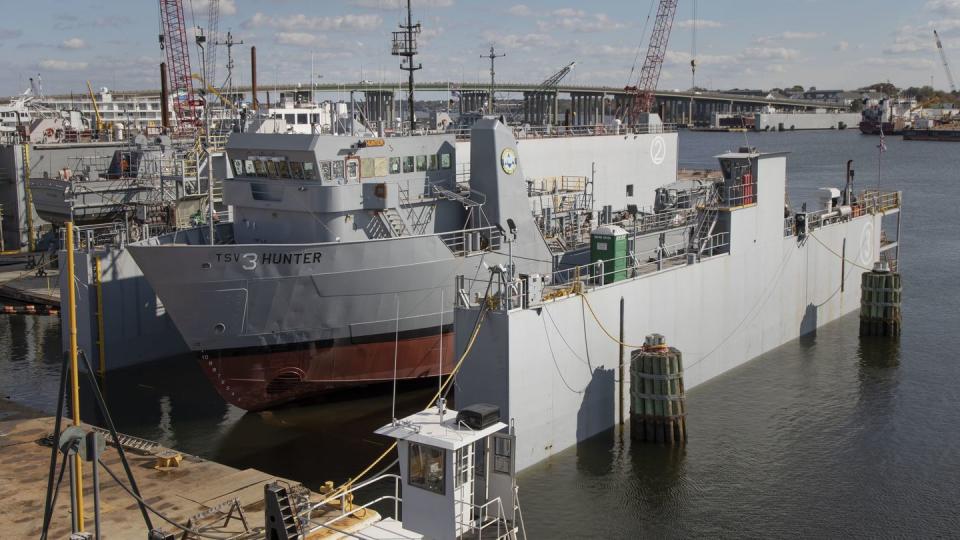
(458, 482)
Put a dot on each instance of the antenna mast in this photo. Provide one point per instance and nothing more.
(405, 46)
(493, 74)
(229, 42)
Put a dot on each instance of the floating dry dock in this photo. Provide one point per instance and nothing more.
(200, 492)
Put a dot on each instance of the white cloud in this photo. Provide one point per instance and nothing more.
(913, 64)
(788, 36)
(572, 20)
(301, 39)
(73, 43)
(62, 65)
(397, 4)
(943, 7)
(769, 53)
(841, 46)
(299, 22)
(524, 42)
(520, 10)
(700, 24)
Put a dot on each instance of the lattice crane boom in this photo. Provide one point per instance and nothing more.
(555, 79)
(213, 30)
(643, 92)
(946, 65)
(173, 40)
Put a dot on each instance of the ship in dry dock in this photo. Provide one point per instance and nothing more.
(343, 250)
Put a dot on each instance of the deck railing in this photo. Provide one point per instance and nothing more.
(508, 294)
(472, 240)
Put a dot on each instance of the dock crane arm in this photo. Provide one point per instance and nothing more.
(96, 109)
(946, 65)
(555, 79)
(214, 91)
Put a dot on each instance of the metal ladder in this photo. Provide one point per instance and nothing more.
(706, 223)
(394, 221)
(129, 442)
(279, 513)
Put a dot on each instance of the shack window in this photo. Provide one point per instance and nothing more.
(289, 118)
(309, 172)
(445, 160)
(326, 171)
(432, 164)
(408, 164)
(248, 167)
(629, 190)
(353, 170)
(502, 450)
(302, 118)
(314, 118)
(426, 467)
(338, 170)
(421, 163)
(296, 169)
(237, 167)
(394, 165)
(260, 167)
(367, 167)
(272, 168)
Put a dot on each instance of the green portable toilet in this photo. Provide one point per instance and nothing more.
(608, 243)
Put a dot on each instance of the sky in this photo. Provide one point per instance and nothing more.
(740, 43)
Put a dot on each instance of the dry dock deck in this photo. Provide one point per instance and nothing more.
(197, 485)
(18, 283)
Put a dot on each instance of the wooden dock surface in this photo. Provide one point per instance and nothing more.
(180, 493)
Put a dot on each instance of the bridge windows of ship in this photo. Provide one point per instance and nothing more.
(352, 169)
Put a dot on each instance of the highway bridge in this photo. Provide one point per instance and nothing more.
(565, 103)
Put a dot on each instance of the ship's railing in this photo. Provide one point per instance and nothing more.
(346, 508)
(642, 223)
(469, 241)
(486, 516)
(876, 201)
(508, 293)
(549, 131)
(738, 195)
(115, 234)
(868, 202)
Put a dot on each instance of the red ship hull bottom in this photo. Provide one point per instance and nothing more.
(257, 379)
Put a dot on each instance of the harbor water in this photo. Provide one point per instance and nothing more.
(830, 435)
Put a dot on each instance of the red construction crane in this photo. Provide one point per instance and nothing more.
(643, 92)
(173, 40)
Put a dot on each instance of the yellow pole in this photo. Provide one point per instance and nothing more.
(74, 374)
(101, 342)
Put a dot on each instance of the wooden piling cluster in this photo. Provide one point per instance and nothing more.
(657, 398)
(880, 292)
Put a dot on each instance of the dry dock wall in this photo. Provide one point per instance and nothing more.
(798, 121)
(137, 328)
(554, 372)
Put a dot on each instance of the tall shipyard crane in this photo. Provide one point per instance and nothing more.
(946, 66)
(173, 40)
(643, 92)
